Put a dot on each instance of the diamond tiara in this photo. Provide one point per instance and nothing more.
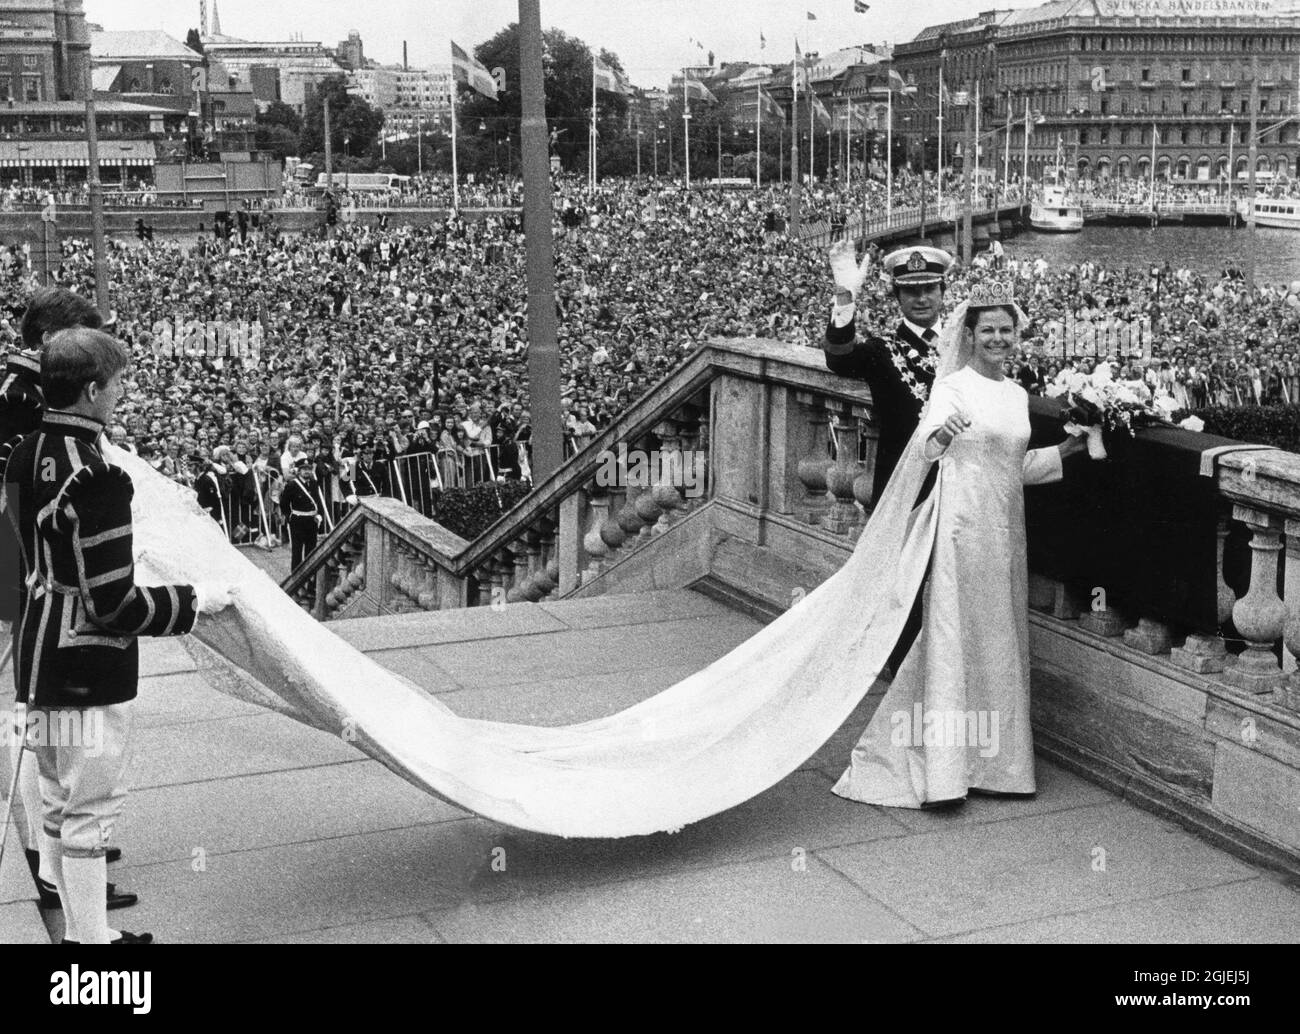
(991, 293)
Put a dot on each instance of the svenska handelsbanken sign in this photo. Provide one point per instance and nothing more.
(1193, 8)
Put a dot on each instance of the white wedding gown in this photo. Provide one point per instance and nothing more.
(957, 713)
(712, 741)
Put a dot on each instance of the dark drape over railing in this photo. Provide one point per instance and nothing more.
(1142, 528)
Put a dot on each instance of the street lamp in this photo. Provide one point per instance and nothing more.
(639, 134)
(347, 161)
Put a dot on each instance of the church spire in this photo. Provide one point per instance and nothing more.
(216, 19)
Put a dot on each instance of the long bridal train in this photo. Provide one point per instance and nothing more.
(712, 741)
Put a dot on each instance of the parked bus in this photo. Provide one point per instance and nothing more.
(366, 182)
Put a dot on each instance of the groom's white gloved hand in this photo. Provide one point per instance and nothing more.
(845, 270)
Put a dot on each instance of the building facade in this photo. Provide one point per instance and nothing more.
(44, 50)
(302, 65)
(1115, 89)
(145, 67)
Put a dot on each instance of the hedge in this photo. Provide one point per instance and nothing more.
(468, 512)
(1278, 426)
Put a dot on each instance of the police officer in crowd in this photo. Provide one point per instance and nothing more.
(301, 510)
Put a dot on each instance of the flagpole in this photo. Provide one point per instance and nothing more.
(591, 159)
(794, 146)
(975, 188)
(758, 138)
(1006, 150)
(455, 174)
(889, 147)
(686, 120)
(939, 158)
(1024, 161)
(812, 127)
(848, 147)
(1155, 132)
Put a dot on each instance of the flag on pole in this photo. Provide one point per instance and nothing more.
(608, 78)
(467, 70)
(860, 8)
(820, 113)
(762, 40)
(768, 107)
(696, 90)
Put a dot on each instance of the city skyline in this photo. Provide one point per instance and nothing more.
(634, 29)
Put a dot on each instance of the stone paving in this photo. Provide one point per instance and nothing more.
(245, 826)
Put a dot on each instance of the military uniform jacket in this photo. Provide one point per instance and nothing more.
(298, 503)
(368, 481)
(900, 374)
(208, 490)
(83, 611)
(21, 405)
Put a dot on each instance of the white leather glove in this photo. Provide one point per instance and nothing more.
(213, 597)
(846, 272)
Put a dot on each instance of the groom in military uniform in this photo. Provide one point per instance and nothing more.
(900, 370)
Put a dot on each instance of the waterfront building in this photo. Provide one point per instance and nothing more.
(1108, 80)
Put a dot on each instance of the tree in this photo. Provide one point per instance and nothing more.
(278, 129)
(566, 71)
(193, 42)
(280, 114)
(350, 116)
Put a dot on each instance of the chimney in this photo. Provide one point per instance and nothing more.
(405, 66)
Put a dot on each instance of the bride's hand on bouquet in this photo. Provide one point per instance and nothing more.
(1073, 445)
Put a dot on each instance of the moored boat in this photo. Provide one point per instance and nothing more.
(1056, 213)
(1282, 212)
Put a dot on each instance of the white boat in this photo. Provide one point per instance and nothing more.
(1283, 212)
(1055, 213)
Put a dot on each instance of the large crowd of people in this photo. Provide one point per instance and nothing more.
(377, 345)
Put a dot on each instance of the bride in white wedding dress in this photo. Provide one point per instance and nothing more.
(708, 743)
(956, 716)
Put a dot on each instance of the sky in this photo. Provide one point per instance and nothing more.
(653, 38)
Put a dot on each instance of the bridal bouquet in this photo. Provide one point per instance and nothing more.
(1099, 404)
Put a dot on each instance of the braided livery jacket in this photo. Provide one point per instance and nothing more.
(83, 611)
(21, 405)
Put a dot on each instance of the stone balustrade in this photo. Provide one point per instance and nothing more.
(754, 425)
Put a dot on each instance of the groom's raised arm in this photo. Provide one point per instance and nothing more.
(846, 354)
